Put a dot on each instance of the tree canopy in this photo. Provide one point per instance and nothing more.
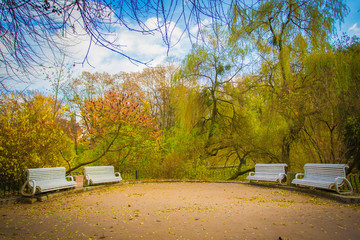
(264, 83)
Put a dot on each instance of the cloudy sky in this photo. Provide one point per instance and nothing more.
(150, 48)
(351, 25)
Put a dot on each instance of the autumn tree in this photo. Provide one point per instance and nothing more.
(114, 124)
(154, 87)
(88, 86)
(30, 135)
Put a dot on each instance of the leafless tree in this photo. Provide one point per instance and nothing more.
(29, 29)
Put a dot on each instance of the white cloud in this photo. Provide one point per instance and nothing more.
(143, 47)
(354, 28)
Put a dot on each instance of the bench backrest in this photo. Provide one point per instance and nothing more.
(325, 171)
(45, 174)
(273, 168)
(99, 171)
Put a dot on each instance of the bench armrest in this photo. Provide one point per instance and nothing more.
(70, 177)
(282, 175)
(298, 175)
(251, 174)
(341, 183)
(30, 183)
(118, 174)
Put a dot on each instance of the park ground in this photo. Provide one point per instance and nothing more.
(182, 211)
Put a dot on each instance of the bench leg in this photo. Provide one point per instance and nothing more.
(282, 176)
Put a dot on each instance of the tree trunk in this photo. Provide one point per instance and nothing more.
(238, 173)
(285, 154)
(212, 122)
(242, 160)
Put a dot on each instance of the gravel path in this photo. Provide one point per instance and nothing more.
(182, 211)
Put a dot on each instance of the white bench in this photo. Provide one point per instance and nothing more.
(326, 176)
(101, 174)
(272, 172)
(45, 180)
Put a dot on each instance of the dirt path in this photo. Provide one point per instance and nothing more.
(182, 211)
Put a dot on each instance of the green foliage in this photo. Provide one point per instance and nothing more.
(284, 34)
(180, 151)
(348, 56)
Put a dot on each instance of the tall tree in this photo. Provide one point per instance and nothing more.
(157, 84)
(215, 65)
(349, 106)
(282, 33)
(333, 131)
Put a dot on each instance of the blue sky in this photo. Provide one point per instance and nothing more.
(351, 24)
(151, 48)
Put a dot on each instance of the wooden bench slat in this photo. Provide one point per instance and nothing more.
(101, 174)
(46, 179)
(272, 172)
(326, 176)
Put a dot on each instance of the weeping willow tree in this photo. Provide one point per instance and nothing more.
(349, 105)
(334, 132)
(212, 108)
(283, 34)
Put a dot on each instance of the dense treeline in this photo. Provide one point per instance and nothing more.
(271, 88)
